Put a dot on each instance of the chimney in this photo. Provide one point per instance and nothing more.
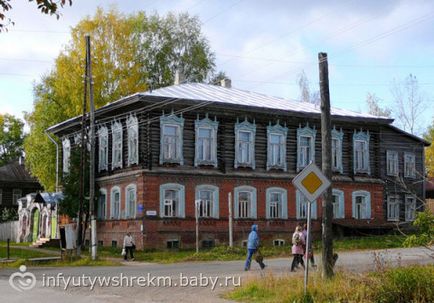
(179, 77)
(226, 82)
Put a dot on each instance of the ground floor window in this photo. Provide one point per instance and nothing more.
(393, 208)
(410, 208)
(172, 244)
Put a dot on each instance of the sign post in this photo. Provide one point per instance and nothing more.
(311, 182)
(197, 205)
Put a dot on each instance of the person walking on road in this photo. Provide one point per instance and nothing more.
(297, 248)
(308, 251)
(129, 246)
(252, 248)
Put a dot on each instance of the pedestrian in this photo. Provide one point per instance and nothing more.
(297, 248)
(308, 251)
(253, 248)
(129, 246)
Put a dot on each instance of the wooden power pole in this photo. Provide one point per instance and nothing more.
(326, 139)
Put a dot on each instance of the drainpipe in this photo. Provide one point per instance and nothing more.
(57, 159)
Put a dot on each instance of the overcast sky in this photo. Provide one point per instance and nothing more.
(261, 45)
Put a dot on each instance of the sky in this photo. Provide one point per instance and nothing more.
(261, 45)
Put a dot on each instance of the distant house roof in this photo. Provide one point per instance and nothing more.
(51, 198)
(15, 172)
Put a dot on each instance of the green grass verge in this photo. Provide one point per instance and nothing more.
(398, 285)
(18, 253)
(84, 261)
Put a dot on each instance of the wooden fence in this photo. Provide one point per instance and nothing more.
(9, 230)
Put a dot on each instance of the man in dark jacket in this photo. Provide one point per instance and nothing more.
(252, 248)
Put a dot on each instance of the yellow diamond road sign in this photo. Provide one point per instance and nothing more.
(311, 182)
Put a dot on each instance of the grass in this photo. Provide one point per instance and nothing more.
(399, 285)
(18, 253)
(85, 261)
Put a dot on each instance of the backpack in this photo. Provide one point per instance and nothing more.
(296, 239)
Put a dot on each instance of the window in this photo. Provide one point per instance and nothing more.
(301, 207)
(131, 201)
(103, 148)
(245, 144)
(361, 205)
(276, 154)
(361, 152)
(392, 163)
(393, 208)
(102, 203)
(208, 199)
(115, 206)
(277, 204)
(172, 244)
(208, 243)
(410, 208)
(16, 195)
(172, 197)
(278, 242)
(66, 144)
(337, 139)
(409, 165)
(305, 146)
(133, 140)
(100, 243)
(171, 140)
(206, 142)
(245, 202)
(338, 202)
(114, 243)
(117, 145)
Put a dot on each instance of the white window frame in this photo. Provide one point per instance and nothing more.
(212, 126)
(114, 190)
(214, 190)
(247, 127)
(283, 201)
(130, 210)
(178, 123)
(117, 142)
(409, 165)
(339, 213)
(66, 147)
(392, 163)
(338, 137)
(282, 132)
(410, 208)
(302, 153)
(17, 193)
(102, 215)
(366, 215)
(133, 140)
(251, 208)
(393, 207)
(180, 206)
(361, 136)
(103, 146)
(301, 206)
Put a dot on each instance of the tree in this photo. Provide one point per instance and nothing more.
(305, 92)
(429, 151)
(374, 107)
(129, 53)
(424, 224)
(8, 214)
(49, 7)
(11, 138)
(409, 103)
(215, 79)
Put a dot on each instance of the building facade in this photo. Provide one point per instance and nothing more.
(161, 153)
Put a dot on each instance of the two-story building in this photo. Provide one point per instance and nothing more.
(160, 151)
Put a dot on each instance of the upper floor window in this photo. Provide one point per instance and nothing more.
(102, 204)
(393, 208)
(361, 205)
(172, 200)
(133, 140)
(131, 201)
(116, 145)
(103, 148)
(361, 152)
(207, 197)
(115, 203)
(171, 140)
(338, 203)
(305, 146)
(245, 144)
(206, 142)
(409, 165)
(337, 139)
(276, 146)
(301, 206)
(245, 202)
(410, 208)
(277, 203)
(392, 163)
(16, 194)
(66, 144)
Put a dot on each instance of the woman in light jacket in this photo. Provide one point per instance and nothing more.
(298, 242)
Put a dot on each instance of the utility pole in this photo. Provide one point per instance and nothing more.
(196, 207)
(231, 238)
(92, 154)
(326, 139)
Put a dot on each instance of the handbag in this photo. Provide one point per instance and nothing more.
(259, 257)
(124, 252)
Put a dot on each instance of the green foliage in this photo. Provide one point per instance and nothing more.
(429, 151)
(8, 214)
(424, 236)
(128, 53)
(11, 138)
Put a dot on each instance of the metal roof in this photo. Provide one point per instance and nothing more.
(15, 172)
